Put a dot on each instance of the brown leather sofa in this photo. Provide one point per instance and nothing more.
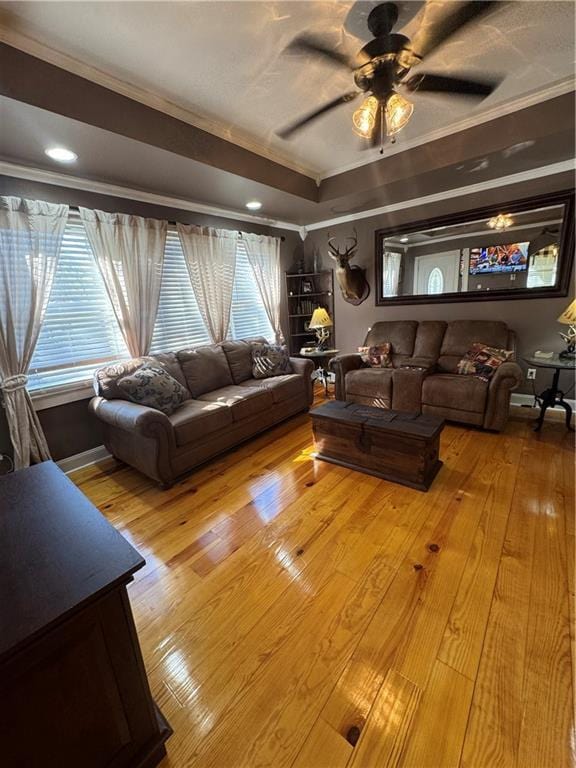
(226, 407)
(424, 379)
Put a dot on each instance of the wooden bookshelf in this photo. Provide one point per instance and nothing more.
(302, 303)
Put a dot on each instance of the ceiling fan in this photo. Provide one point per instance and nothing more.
(383, 65)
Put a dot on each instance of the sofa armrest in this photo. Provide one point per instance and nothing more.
(131, 417)
(304, 368)
(507, 377)
(341, 365)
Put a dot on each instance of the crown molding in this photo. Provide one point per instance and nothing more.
(483, 186)
(104, 188)
(142, 95)
(562, 87)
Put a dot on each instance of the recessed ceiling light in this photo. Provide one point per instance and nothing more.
(403, 239)
(61, 154)
(254, 205)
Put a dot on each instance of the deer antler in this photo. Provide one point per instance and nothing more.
(332, 248)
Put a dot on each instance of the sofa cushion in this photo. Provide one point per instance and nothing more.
(205, 369)
(401, 334)
(376, 357)
(270, 360)
(483, 361)
(194, 420)
(152, 385)
(281, 387)
(370, 382)
(242, 402)
(461, 334)
(429, 338)
(239, 356)
(447, 390)
(106, 378)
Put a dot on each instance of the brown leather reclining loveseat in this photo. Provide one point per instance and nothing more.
(424, 379)
(226, 406)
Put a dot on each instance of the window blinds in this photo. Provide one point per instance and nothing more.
(179, 323)
(248, 316)
(79, 332)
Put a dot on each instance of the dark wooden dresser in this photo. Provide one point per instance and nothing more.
(73, 688)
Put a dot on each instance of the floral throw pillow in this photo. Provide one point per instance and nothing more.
(482, 361)
(270, 360)
(154, 387)
(377, 356)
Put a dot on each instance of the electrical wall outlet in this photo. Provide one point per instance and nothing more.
(531, 373)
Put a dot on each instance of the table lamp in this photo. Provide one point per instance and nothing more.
(568, 317)
(321, 322)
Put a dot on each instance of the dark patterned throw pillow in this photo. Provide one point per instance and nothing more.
(482, 361)
(270, 360)
(377, 356)
(154, 387)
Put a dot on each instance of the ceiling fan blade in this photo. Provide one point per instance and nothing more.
(316, 47)
(290, 130)
(458, 86)
(430, 36)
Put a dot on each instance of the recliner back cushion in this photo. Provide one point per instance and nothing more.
(429, 339)
(401, 334)
(239, 356)
(461, 334)
(205, 369)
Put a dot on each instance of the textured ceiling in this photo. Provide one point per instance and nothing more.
(221, 61)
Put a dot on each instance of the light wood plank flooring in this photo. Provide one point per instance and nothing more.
(295, 613)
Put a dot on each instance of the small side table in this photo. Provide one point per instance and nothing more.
(553, 395)
(323, 357)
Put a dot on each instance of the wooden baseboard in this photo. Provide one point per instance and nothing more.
(84, 459)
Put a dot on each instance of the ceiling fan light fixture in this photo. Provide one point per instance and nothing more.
(500, 222)
(364, 118)
(398, 112)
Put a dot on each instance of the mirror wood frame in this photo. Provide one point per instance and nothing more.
(566, 253)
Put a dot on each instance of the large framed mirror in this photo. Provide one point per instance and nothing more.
(519, 250)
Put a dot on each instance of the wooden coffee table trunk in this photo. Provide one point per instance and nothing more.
(401, 447)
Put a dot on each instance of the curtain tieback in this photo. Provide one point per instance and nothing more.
(13, 383)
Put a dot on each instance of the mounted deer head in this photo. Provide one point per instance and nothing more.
(352, 279)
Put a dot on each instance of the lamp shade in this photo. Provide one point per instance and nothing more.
(320, 319)
(568, 317)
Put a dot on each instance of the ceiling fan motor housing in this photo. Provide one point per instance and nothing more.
(381, 19)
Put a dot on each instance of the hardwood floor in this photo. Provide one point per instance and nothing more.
(289, 606)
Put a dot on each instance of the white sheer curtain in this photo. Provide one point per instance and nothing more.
(30, 239)
(129, 251)
(211, 260)
(264, 257)
(391, 263)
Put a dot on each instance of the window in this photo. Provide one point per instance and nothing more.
(543, 267)
(179, 323)
(80, 331)
(391, 264)
(248, 316)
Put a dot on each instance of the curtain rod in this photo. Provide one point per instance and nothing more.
(173, 223)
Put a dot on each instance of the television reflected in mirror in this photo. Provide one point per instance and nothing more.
(519, 250)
